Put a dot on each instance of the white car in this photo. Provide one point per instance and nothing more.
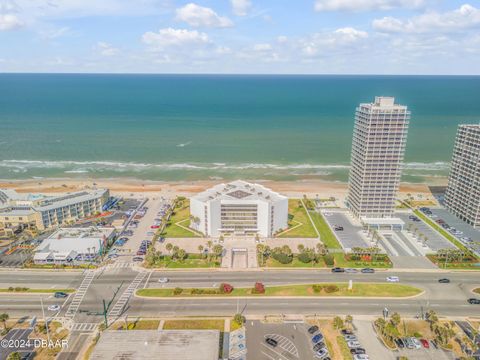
(322, 353)
(163, 280)
(353, 344)
(53, 307)
(351, 271)
(393, 279)
(360, 357)
(350, 338)
(416, 343)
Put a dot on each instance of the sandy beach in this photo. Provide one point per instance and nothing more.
(125, 187)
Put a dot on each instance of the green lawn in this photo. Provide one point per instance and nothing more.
(359, 289)
(453, 265)
(28, 290)
(194, 324)
(342, 262)
(342, 344)
(298, 216)
(326, 235)
(192, 261)
(182, 216)
(442, 231)
(271, 262)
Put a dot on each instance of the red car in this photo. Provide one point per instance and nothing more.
(154, 227)
(425, 343)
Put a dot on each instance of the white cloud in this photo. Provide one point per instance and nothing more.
(341, 40)
(9, 22)
(365, 5)
(197, 16)
(170, 37)
(351, 34)
(262, 47)
(106, 49)
(241, 7)
(464, 17)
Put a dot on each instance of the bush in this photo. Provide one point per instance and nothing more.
(282, 258)
(305, 257)
(259, 288)
(197, 291)
(317, 288)
(177, 291)
(331, 289)
(226, 288)
(329, 259)
(239, 319)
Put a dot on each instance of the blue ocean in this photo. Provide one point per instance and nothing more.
(192, 127)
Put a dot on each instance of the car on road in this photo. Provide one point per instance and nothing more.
(322, 353)
(393, 279)
(367, 271)
(360, 357)
(137, 258)
(425, 343)
(53, 307)
(473, 301)
(353, 344)
(60, 295)
(338, 270)
(163, 280)
(318, 346)
(444, 281)
(313, 329)
(271, 342)
(356, 351)
(351, 271)
(317, 338)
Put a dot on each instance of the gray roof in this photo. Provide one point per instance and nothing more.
(157, 344)
(239, 190)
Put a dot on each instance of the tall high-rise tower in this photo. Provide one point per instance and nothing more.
(378, 147)
(463, 192)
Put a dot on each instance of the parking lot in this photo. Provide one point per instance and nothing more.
(21, 336)
(435, 240)
(349, 237)
(16, 258)
(468, 230)
(293, 341)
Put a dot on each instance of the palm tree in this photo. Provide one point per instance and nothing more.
(169, 247)
(209, 244)
(200, 248)
(3, 318)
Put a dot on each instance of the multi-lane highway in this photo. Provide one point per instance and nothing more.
(446, 299)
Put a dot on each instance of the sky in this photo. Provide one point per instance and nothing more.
(241, 36)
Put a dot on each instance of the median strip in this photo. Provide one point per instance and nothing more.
(306, 290)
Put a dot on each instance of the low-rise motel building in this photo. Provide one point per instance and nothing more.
(73, 246)
(43, 212)
(239, 208)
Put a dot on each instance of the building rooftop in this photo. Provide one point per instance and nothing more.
(384, 103)
(158, 344)
(65, 240)
(239, 190)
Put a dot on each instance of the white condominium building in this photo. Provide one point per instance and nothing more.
(239, 208)
(463, 192)
(378, 147)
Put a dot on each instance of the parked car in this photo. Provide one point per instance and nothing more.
(368, 271)
(346, 332)
(338, 228)
(350, 337)
(154, 227)
(317, 338)
(318, 346)
(425, 343)
(409, 343)
(353, 344)
(393, 279)
(137, 258)
(356, 351)
(271, 342)
(444, 281)
(400, 343)
(322, 353)
(473, 301)
(313, 329)
(360, 357)
(60, 294)
(338, 270)
(416, 343)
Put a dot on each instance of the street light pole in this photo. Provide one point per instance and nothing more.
(45, 319)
